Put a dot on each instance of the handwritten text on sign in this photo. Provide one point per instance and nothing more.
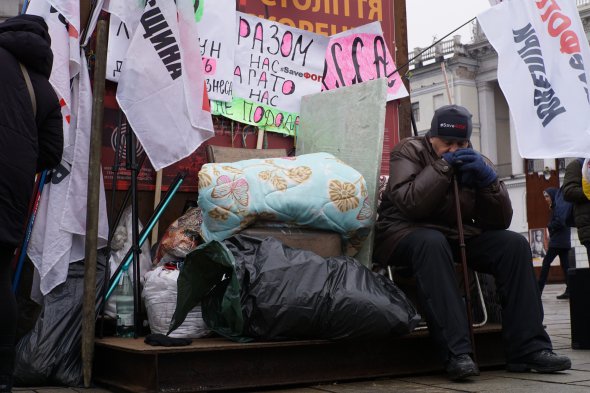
(262, 116)
(276, 64)
(360, 55)
(217, 37)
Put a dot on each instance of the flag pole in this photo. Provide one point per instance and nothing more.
(22, 252)
(135, 248)
(157, 197)
(92, 213)
(444, 72)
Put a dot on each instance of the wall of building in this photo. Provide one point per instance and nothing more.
(504, 159)
(9, 8)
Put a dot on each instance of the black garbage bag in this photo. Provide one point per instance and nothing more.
(264, 290)
(50, 354)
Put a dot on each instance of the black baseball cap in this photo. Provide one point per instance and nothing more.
(451, 122)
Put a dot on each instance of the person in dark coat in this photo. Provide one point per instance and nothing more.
(417, 229)
(574, 193)
(559, 241)
(29, 143)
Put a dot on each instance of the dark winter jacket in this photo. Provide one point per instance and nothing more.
(559, 232)
(573, 192)
(28, 143)
(420, 194)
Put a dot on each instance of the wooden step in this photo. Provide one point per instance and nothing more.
(219, 364)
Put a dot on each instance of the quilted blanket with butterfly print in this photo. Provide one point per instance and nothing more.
(312, 190)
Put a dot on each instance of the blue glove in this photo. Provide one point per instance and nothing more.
(449, 157)
(452, 157)
(474, 170)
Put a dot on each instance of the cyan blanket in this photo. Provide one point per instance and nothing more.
(314, 190)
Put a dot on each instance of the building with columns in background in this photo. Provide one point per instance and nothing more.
(468, 73)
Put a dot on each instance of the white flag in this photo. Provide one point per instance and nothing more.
(66, 59)
(161, 86)
(70, 9)
(92, 20)
(58, 237)
(129, 11)
(123, 21)
(543, 61)
(218, 39)
(74, 217)
(119, 40)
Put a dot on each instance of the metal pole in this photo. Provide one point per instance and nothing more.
(23, 249)
(132, 165)
(464, 266)
(89, 297)
(25, 6)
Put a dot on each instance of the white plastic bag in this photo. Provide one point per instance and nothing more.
(159, 294)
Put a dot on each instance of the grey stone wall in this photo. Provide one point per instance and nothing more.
(9, 8)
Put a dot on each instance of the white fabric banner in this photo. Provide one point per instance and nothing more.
(160, 89)
(93, 19)
(129, 11)
(70, 9)
(123, 21)
(66, 59)
(58, 235)
(542, 57)
(119, 40)
(276, 64)
(217, 28)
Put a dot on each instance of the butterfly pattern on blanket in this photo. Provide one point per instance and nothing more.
(312, 190)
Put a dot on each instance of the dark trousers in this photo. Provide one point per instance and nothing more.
(587, 245)
(552, 252)
(505, 255)
(8, 312)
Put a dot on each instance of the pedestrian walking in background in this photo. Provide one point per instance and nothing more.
(31, 140)
(573, 192)
(559, 239)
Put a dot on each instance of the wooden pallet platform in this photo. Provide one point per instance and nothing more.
(211, 364)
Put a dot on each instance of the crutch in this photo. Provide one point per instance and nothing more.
(464, 266)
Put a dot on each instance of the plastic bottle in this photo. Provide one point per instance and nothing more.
(124, 305)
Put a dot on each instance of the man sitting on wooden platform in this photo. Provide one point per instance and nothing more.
(417, 228)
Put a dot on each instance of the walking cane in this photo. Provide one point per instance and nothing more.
(464, 266)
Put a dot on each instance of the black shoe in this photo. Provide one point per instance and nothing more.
(564, 295)
(544, 361)
(460, 367)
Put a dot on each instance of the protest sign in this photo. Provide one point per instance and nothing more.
(275, 64)
(217, 37)
(256, 114)
(360, 55)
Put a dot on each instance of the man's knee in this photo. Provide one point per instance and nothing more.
(512, 241)
(430, 247)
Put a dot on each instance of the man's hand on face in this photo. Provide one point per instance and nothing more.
(452, 158)
(473, 169)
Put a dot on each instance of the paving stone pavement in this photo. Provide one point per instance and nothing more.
(557, 319)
